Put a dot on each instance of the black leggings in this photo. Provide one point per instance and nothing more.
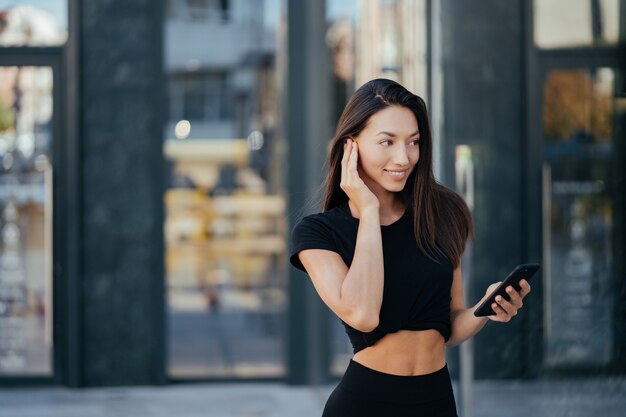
(365, 392)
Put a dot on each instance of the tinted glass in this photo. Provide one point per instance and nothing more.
(33, 22)
(572, 23)
(578, 197)
(226, 224)
(25, 221)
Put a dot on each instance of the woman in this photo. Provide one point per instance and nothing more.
(385, 257)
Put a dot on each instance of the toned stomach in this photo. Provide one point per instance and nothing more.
(406, 353)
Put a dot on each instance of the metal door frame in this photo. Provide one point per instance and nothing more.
(66, 216)
(48, 57)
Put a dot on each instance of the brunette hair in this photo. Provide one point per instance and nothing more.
(442, 221)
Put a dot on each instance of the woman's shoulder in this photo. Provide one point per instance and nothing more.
(325, 230)
(333, 217)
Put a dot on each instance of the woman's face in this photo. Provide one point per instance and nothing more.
(388, 149)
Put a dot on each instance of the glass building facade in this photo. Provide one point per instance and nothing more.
(29, 94)
(152, 169)
(225, 220)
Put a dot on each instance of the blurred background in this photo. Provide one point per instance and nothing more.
(155, 155)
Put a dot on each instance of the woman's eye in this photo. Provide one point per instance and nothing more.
(385, 142)
(416, 142)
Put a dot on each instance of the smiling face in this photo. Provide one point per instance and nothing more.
(388, 149)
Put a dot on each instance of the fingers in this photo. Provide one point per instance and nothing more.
(352, 160)
(501, 314)
(349, 160)
(503, 310)
(508, 308)
(515, 299)
(347, 147)
(525, 288)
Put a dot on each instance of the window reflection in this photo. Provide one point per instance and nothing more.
(33, 22)
(579, 102)
(25, 221)
(570, 23)
(578, 217)
(225, 225)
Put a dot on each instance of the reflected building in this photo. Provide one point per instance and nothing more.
(26, 180)
(225, 206)
(391, 43)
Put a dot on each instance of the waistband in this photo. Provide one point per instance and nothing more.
(381, 386)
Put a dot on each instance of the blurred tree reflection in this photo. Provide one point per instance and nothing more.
(573, 103)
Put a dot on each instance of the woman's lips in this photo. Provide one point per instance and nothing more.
(397, 174)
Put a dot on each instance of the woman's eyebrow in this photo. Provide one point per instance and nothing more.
(416, 133)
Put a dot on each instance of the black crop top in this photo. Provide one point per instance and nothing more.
(416, 293)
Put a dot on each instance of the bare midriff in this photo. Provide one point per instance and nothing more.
(406, 353)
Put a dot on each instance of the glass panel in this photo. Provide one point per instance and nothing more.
(226, 225)
(371, 39)
(25, 221)
(569, 23)
(33, 22)
(377, 38)
(578, 217)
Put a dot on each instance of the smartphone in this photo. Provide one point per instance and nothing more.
(525, 271)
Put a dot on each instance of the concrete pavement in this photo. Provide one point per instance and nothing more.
(540, 398)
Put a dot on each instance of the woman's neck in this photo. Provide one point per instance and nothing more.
(390, 207)
(391, 211)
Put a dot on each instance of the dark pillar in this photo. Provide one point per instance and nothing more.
(484, 108)
(121, 96)
(308, 134)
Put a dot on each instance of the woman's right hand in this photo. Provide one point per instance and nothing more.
(357, 191)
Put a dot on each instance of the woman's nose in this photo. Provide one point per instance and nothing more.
(401, 157)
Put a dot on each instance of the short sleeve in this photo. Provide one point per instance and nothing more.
(310, 233)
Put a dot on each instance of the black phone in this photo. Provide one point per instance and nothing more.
(524, 271)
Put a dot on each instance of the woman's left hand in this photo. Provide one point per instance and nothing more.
(506, 310)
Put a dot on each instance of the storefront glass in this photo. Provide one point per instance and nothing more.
(576, 23)
(225, 205)
(33, 22)
(25, 221)
(372, 39)
(578, 200)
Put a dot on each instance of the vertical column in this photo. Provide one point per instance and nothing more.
(122, 290)
(66, 245)
(308, 134)
(482, 63)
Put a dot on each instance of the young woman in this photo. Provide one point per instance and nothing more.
(385, 257)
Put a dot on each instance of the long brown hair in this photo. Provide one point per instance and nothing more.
(442, 221)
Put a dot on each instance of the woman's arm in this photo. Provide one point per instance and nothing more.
(465, 324)
(354, 294)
